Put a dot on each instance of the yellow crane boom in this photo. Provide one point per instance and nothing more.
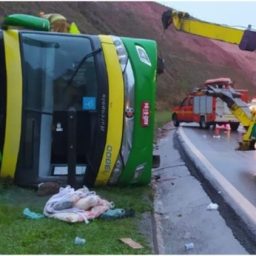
(182, 21)
(241, 111)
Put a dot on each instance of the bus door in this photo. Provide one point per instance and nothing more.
(75, 94)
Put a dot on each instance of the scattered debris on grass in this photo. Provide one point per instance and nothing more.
(117, 213)
(32, 215)
(79, 241)
(131, 243)
(79, 205)
(48, 188)
(82, 205)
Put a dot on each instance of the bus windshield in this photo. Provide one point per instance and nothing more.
(49, 62)
(50, 90)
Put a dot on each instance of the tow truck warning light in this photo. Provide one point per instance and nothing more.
(145, 109)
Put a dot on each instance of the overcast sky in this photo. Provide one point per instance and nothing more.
(232, 13)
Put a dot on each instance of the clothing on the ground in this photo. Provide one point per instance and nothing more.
(76, 205)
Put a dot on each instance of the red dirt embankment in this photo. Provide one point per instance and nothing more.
(189, 60)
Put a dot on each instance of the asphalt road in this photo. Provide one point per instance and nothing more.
(181, 201)
(219, 148)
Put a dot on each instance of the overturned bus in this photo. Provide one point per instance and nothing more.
(75, 108)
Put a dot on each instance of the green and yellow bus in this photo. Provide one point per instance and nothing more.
(105, 83)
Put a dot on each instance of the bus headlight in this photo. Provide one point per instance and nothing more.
(121, 52)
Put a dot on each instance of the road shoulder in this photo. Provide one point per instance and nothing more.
(181, 208)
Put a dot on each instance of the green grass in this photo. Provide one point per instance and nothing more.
(162, 117)
(48, 236)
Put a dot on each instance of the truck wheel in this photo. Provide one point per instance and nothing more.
(175, 121)
(252, 145)
(234, 126)
(203, 124)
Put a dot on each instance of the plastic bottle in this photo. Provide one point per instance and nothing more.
(79, 241)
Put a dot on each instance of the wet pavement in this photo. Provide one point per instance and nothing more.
(183, 223)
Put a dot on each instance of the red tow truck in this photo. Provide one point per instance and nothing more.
(208, 110)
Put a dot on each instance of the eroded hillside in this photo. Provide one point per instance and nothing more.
(189, 59)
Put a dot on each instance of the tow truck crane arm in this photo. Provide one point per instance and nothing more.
(182, 21)
(246, 39)
(241, 111)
